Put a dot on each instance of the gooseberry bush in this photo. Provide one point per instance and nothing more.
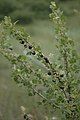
(58, 87)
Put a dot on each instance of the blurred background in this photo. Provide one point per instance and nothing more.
(33, 15)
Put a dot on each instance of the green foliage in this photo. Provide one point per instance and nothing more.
(26, 11)
(58, 87)
(23, 10)
(7, 7)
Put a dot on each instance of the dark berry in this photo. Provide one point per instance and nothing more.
(49, 73)
(15, 34)
(61, 75)
(25, 46)
(62, 87)
(53, 81)
(57, 77)
(22, 42)
(20, 38)
(10, 48)
(25, 116)
(44, 101)
(41, 55)
(54, 73)
(30, 47)
(33, 53)
(46, 59)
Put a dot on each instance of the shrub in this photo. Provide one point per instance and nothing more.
(60, 81)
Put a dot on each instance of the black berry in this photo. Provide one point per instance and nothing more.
(25, 116)
(10, 48)
(22, 42)
(41, 55)
(25, 46)
(20, 38)
(30, 47)
(33, 53)
(62, 87)
(54, 73)
(46, 59)
(53, 80)
(61, 75)
(49, 73)
(15, 34)
(44, 101)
